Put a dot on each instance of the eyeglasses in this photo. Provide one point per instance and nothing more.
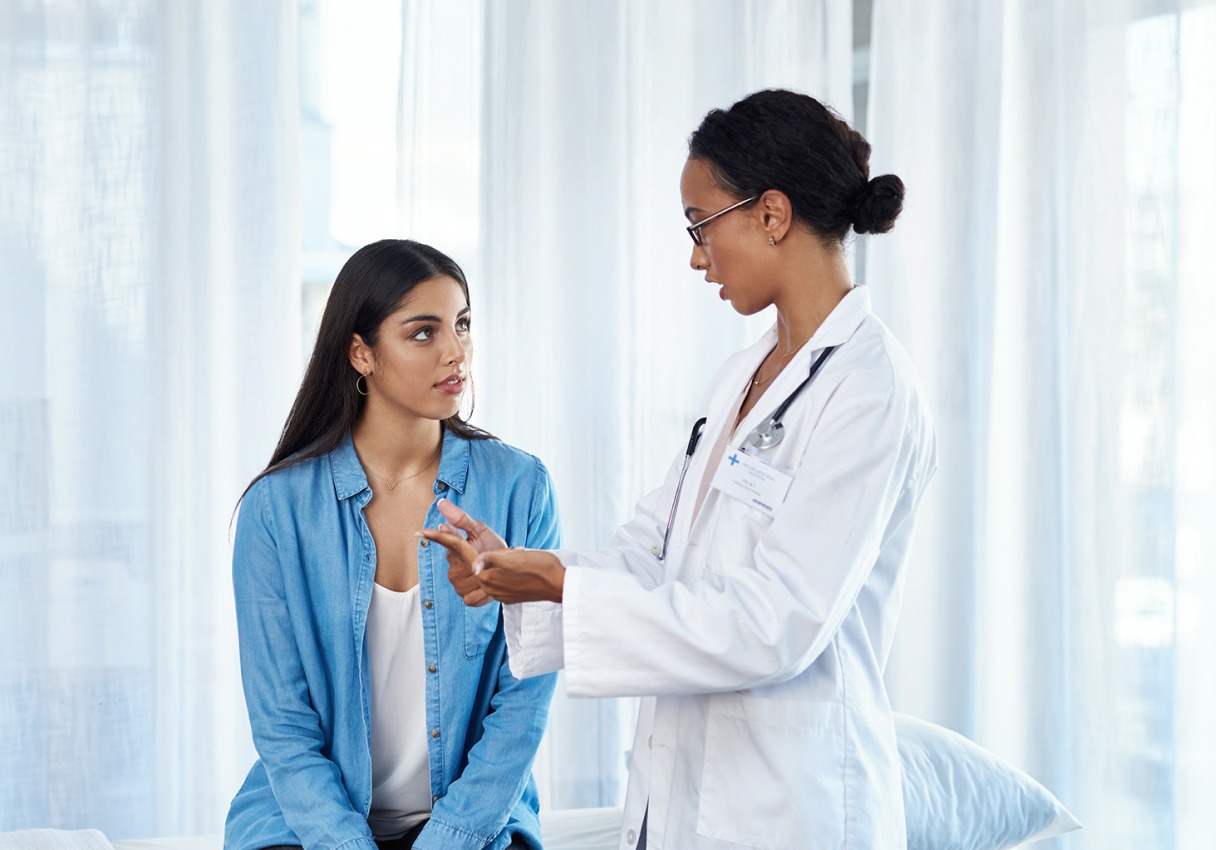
(694, 230)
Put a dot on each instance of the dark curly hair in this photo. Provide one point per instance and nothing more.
(784, 140)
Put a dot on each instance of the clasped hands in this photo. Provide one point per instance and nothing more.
(483, 569)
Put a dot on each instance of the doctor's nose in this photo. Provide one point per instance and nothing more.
(698, 260)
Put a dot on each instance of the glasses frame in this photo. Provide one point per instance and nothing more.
(694, 229)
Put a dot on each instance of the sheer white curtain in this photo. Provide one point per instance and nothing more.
(595, 339)
(1052, 278)
(152, 294)
(149, 324)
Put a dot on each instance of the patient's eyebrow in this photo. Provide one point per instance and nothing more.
(427, 317)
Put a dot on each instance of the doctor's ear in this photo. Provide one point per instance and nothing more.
(776, 214)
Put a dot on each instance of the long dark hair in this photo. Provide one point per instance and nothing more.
(369, 288)
(779, 139)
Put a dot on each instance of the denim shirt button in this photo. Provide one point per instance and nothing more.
(428, 604)
(434, 733)
(424, 543)
(431, 668)
(440, 487)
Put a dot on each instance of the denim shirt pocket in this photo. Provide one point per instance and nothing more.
(480, 624)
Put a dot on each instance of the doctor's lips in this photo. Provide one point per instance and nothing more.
(452, 385)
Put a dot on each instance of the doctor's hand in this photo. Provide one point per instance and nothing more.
(463, 549)
(480, 536)
(521, 575)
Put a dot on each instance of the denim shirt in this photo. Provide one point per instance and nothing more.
(303, 567)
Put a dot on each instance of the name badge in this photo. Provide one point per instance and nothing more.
(751, 480)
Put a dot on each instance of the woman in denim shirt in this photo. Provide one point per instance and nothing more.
(382, 709)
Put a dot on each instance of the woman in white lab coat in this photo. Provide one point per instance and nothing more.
(755, 609)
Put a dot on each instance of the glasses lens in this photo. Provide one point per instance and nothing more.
(695, 233)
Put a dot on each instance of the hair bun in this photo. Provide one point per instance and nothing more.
(878, 204)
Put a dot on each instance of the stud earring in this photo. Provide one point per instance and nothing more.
(772, 241)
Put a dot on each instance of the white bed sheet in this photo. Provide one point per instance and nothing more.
(570, 829)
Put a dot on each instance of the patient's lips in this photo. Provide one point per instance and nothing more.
(452, 385)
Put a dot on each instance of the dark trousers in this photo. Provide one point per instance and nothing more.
(405, 842)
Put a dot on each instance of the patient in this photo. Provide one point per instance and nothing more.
(382, 708)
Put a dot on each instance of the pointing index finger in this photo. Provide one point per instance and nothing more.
(452, 542)
(457, 517)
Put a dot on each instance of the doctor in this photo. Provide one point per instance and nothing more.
(753, 597)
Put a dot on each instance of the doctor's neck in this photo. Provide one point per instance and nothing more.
(812, 280)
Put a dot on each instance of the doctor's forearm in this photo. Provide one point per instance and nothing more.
(521, 575)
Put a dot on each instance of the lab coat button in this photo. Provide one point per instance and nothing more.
(654, 550)
(631, 837)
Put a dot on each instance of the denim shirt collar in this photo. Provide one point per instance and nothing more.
(350, 479)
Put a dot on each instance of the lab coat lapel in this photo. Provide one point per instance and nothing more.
(835, 330)
(730, 382)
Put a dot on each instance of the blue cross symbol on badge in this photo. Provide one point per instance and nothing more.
(733, 459)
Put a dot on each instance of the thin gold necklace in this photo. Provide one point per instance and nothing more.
(392, 485)
(756, 381)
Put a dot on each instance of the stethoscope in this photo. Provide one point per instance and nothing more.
(769, 433)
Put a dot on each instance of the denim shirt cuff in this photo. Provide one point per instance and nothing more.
(438, 835)
(358, 844)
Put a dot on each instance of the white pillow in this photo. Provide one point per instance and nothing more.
(581, 829)
(959, 796)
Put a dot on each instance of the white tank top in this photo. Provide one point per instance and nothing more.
(401, 773)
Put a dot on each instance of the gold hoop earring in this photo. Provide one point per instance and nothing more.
(772, 241)
(361, 390)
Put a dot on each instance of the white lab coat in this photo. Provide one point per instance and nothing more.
(760, 642)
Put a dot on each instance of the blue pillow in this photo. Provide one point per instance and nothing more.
(959, 796)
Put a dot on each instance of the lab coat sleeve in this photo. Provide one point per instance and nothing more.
(534, 629)
(286, 729)
(765, 621)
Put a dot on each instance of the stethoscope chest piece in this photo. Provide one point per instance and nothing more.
(770, 432)
(767, 434)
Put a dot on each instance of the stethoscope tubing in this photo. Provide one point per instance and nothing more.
(775, 416)
(771, 424)
(693, 439)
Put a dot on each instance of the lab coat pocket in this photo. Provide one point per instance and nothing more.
(735, 534)
(479, 627)
(774, 773)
